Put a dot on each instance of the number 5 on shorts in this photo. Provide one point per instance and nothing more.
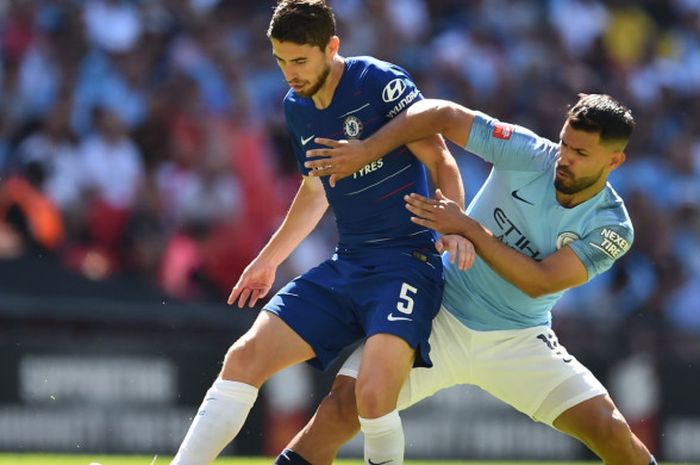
(405, 303)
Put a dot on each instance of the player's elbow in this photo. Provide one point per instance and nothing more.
(535, 289)
(541, 285)
(452, 120)
(534, 292)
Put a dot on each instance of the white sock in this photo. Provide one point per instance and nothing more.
(218, 420)
(384, 441)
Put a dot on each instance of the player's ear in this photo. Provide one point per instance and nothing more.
(333, 45)
(617, 159)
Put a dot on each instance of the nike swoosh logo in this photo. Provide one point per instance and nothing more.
(517, 197)
(306, 141)
(379, 463)
(391, 317)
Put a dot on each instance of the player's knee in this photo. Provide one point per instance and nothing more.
(373, 399)
(610, 428)
(240, 362)
(619, 431)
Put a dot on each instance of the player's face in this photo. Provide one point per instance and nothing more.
(584, 163)
(305, 67)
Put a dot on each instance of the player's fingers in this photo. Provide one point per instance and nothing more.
(422, 222)
(420, 198)
(471, 256)
(438, 195)
(325, 171)
(419, 202)
(233, 295)
(317, 163)
(454, 250)
(330, 142)
(318, 153)
(244, 296)
(440, 245)
(462, 256)
(422, 212)
(254, 296)
(332, 180)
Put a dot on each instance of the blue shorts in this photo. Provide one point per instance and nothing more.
(355, 295)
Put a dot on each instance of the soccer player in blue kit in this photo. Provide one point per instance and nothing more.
(545, 220)
(384, 282)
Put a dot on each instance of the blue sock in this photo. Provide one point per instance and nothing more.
(653, 461)
(289, 457)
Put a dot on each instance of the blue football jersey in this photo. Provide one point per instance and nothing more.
(368, 205)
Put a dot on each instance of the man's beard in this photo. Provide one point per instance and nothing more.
(574, 185)
(316, 86)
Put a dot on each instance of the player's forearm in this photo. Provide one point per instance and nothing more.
(449, 180)
(443, 169)
(420, 120)
(523, 272)
(306, 211)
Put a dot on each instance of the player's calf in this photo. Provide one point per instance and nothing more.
(334, 423)
(600, 425)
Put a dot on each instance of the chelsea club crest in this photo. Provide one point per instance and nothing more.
(352, 127)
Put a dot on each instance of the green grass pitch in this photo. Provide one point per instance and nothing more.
(86, 459)
(62, 459)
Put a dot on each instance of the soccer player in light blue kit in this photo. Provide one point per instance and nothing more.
(544, 221)
(384, 282)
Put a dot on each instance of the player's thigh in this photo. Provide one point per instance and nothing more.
(448, 352)
(400, 297)
(266, 348)
(316, 307)
(532, 372)
(585, 419)
(385, 364)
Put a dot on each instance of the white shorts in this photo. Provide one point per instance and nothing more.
(526, 368)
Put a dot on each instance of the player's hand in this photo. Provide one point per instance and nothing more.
(441, 214)
(340, 160)
(459, 249)
(254, 284)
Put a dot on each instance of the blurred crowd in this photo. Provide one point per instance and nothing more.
(147, 137)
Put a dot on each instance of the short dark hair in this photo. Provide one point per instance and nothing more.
(304, 22)
(602, 114)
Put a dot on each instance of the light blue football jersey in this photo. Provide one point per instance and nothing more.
(518, 204)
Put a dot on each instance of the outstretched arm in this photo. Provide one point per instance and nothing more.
(420, 120)
(307, 208)
(558, 271)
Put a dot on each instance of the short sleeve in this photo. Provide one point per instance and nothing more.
(392, 88)
(508, 146)
(600, 248)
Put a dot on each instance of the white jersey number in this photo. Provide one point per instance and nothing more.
(405, 303)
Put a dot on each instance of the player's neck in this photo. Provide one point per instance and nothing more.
(323, 98)
(572, 200)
